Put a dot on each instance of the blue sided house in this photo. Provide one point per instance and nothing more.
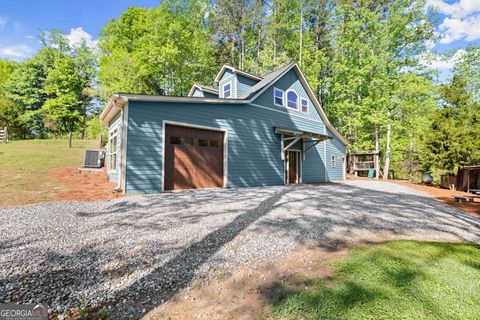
(252, 131)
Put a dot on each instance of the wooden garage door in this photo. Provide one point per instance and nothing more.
(193, 158)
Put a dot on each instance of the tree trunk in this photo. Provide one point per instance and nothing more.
(242, 52)
(84, 124)
(301, 34)
(386, 165)
(70, 138)
(258, 49)
(377, 157)
(274, 39)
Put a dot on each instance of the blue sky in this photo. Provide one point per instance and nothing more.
(22, 20)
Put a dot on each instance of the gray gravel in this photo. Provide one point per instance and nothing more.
(133, 253)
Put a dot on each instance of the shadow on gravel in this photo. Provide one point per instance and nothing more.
(176, 274)
(327, 215)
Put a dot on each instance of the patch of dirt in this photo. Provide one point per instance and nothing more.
(446, 196)
(247, 292)
(83, 186)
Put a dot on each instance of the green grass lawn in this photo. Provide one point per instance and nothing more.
(25, 167)
(396, 280)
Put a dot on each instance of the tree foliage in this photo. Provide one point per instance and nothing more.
(155, 51)
(50, 93)
(361, 59)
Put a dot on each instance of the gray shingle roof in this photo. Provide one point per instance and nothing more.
(267, 79)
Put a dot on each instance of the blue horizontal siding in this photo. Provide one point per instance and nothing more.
(288, 81)
(228, 76)
(254, 155)
(314, 164)
(335, 148)
(244, 84)
(253, 147)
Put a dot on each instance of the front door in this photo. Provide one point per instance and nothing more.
(292, 167)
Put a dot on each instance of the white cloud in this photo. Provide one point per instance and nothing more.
(77, 35)
(439, 62)
(461, 22)
(3, 22)
(454, 29)
(458, 10)
(16, 51)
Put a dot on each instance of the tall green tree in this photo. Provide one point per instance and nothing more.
(63, 86)
(86, 65)
(375, 44)
(8, 110)
(25, 89)
(469, 67)
(452, 140)
(155, 51)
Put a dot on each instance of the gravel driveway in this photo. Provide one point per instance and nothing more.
(142, 250)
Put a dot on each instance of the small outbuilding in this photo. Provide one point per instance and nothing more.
(251, 131)
(468, 178)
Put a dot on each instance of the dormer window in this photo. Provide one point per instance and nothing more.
(292, 99)
(227, 90)
(278, 97)
(304, 105)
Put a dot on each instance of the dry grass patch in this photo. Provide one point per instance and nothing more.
(26, 166)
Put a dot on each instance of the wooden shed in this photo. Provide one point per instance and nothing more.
(468, 178)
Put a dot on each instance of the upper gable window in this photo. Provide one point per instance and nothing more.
(278, 97)
(227, 90)
(292, 99)
(304, 105)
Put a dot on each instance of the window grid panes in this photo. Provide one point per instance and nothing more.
(292, 100)
(278, 99)
(182, 141)
(304, 103)
(187, 141)
(112, 150)
(227, 90)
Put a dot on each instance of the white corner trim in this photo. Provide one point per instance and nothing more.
(123, 167)
(196, 126)
(162, 186)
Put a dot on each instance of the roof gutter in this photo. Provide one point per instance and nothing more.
(121, 99)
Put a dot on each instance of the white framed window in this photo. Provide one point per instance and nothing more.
(292, 99)
(304, 105)
(278, 97)
(112, 150)
(334, 160)
(227, 89)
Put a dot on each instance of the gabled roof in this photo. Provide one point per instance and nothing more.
(238, 71)
(272, 77)
(202, 88)
(266, 81)
(248, 97)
